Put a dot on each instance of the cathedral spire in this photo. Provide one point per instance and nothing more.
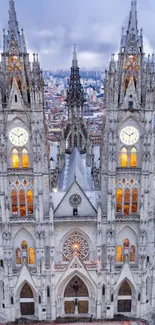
(132, 26)
(74, 61)
(13, 24)
(132, 42)
(14, 36)
(75, 95)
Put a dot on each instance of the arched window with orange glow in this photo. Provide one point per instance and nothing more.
(119, 254)
(14, 202)
(133, 157)
(22, 203)
(126, 248)
(24, 251)
(31, 255)
(132, 253)
(124, 157)
(119, 195)
(134, 200)
(30, 201)
(18, 256)
(15, 158)
(127, 201)
(25, 158)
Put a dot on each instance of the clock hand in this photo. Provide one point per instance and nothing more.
(15, 134)
(131, 134)
(20, 135)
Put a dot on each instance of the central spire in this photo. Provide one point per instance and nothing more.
(132, 27)
(132, 42)
(74, 61)
(13, 24)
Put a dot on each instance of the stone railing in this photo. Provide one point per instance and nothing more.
(17, 218)
(127, 218)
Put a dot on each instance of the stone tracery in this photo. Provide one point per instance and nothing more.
(76, 244)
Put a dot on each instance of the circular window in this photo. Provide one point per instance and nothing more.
(76, 244)
(75, 200)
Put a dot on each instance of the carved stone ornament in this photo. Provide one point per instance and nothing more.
(75, 200)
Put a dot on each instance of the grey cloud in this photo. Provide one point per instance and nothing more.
(52, 27)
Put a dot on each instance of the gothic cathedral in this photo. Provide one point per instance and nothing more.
(77, 239)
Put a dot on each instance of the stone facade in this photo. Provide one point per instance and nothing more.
(77, 239)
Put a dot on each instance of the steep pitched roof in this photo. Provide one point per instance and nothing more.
(75, 167)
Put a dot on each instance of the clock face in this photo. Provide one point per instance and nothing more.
(18, 136)
(129, 135)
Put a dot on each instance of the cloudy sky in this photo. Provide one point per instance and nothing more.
(53, 26)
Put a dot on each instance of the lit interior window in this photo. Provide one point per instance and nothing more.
(31, 255)
(15, 158)
(18, 256)
(134, 200)
(30, 201)
(14, 201)
(22, 203)
(127, 202)
(25, 158)
(119, 254)
(124, 158)
(119, 200)
(133, 157)
(24, 251)
(132, 253)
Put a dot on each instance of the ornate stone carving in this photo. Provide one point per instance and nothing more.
(75, 200)
(76, 244)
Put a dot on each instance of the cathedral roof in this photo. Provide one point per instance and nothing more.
(75, 167)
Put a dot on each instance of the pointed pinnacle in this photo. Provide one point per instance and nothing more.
(74, 61)
(133, 18)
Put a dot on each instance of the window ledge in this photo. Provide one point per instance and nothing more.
(127, 218)
(17, 218)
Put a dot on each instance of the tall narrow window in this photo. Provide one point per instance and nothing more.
(31, 255)
(15, 158)
(134, 200)
(25, 158)
(22, 203)
(124, 158)
(127, 202)
(24, 251)
(18, 256)
(119, 200)
(133, 157)
(30, 202)
(127, 80)
(132, 253)
(14, 202)
(126, 248)
(119, 254)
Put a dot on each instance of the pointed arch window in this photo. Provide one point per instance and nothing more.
(135, 200)
(25, 158)
(22, 203)
(24, 251)
(18, 256)
(119, 254)
(126, 201)
(30, 201)
(127, 80)
(133, 157)
(119, 195)
(15, 158)
(31, 255)
(14, 202)
(124, 157)
(132, 253)
(126, 248)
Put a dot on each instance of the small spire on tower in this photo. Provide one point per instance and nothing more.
(74, 61)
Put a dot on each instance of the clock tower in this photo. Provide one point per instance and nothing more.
(25, 210)
(127, 167)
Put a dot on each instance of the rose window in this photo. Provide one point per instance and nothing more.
(75, 200)
(76, 244)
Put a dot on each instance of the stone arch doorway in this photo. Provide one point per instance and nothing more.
(76, 297)
(124, 298)
(26, 300)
